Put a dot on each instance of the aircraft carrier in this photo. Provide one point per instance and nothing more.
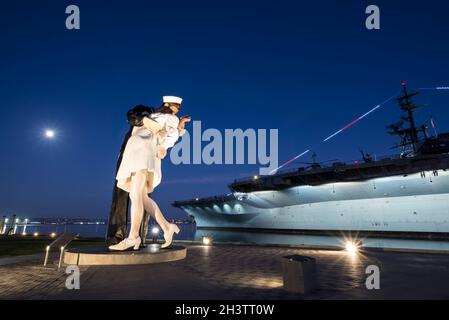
(405, 195)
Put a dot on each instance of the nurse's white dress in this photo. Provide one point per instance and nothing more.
(142, 149)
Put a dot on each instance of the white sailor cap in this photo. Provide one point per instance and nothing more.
(172, 99)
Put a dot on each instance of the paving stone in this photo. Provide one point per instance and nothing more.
(235, 272)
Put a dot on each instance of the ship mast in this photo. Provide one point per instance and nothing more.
(409, 107)
(409, 135)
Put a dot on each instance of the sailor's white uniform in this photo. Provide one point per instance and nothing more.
(141, 151)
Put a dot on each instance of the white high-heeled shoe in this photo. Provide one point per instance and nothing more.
(126, 244)
(168, 236)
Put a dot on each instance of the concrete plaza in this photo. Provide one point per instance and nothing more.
(234, 272)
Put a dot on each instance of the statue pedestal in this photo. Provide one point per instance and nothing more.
(100, 255)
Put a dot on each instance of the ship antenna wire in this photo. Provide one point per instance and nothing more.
(433, 88)
(350, 124)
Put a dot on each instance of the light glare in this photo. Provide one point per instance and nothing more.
(351, 247)
(49, 133)
(207, 241)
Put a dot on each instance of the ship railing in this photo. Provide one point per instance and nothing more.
(204, 200)
(375, 158)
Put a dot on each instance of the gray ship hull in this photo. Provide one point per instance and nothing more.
(414, 203)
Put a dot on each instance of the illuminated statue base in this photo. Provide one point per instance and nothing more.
(100, 255)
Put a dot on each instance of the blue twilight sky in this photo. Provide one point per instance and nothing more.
(304, 67)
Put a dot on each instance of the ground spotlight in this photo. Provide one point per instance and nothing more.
(207, 240)
(353, 246)
(53, 235)
(36, 234)
(154, 247)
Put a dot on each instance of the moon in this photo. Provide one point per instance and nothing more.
(49, 134)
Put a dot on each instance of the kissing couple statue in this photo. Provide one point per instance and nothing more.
(140, 172)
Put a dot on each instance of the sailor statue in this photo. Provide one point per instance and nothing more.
(138, 171)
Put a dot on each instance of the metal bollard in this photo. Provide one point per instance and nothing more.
(299, 273)
(61, 256)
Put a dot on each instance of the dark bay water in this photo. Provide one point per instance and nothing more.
(190, 232)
